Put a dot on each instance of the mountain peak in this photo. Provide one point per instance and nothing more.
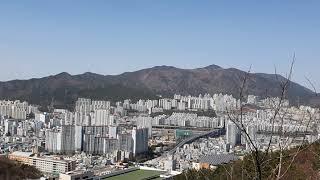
(63, 74)
(91, 74)
(164, 67)
(213, 66)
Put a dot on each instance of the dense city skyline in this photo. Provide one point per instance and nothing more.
(45, 38)
(169, 135)
(140, 89)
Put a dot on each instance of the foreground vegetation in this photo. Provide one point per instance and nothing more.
(302, 163)
(12, 170)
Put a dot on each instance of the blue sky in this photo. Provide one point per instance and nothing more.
(40, 38)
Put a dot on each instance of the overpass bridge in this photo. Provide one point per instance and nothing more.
(211, 133)
(181, 127)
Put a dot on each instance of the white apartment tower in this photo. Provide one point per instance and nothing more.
(233, 134)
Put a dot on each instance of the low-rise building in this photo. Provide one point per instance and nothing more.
(46, 164)
(77, 175)
(53, 165)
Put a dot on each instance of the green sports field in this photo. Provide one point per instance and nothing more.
(136, 175)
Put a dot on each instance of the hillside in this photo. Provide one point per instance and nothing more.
(305, 166)
(63, 89)
(12, 170)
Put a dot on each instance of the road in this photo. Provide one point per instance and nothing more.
(211, 133)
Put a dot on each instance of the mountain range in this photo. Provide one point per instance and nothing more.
(63, 89)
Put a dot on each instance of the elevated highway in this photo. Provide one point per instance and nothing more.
(211, 133)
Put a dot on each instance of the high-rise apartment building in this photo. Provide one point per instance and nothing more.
(125, 142)
(233, 134)
(140, 140)
(61, 140)
(101, 117)
(14, 109)
(83, 105)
